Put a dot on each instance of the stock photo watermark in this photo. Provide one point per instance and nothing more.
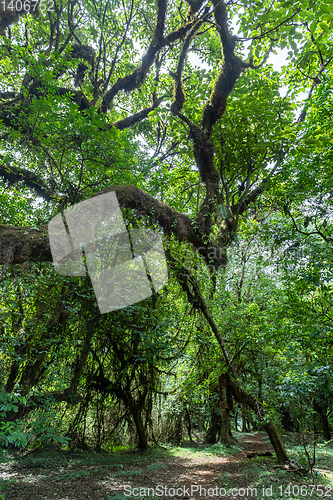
(125, 267)
(195, 490)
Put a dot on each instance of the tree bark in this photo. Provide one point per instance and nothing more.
(226, 406)
(322, 412)
(135, 406)
(188, 423)
(140, 428)
(31, 244)
(236, 421)
(275, 439)
(244, 419)
(175, 433)
(214, 427)
(246, 398)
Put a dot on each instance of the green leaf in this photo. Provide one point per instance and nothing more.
(313, 26)
(293, 46)
(312, 141)
(325, 139)
(324, 26)
(328, 17)
(326, 8)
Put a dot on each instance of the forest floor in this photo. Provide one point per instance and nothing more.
(190, 471)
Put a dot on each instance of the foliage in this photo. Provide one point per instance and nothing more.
(231, 161)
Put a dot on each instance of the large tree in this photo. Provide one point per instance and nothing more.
(174, 107)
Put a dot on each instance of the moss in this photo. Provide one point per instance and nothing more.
(18, 245)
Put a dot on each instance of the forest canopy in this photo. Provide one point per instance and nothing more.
(180, 109)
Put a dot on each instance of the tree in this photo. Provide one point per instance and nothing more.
(78, 102)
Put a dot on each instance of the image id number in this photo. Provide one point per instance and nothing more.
(318, 490)
(19, 5)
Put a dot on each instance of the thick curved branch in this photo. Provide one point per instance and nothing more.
(167, 217)
(231, 70)
(24, 244)
(137, 117)
(135, 79)
(7, 95)
(31, 180)
(204, 151)
(179, 96)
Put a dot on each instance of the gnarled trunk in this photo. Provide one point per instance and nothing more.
(246, 398)
(275, 439)
(140, 428)
(214, 427)
(135, 406)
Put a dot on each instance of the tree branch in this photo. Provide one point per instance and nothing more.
(244, 203)
(190, 285)
(179, 97)
(137, 117)
(31, 180)
(135, 79)
(231, 70)
(23, 244)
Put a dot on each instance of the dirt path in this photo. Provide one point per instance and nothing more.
(207, 471)
(183, 474)
(204, 472)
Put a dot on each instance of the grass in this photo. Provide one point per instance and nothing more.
(129, 473)
(52, 475)
(260, 476)
(100, 476)
(202, 451)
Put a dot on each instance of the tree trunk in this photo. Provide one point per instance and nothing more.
(236, 421)
(214, 427)
(135, 406)
(226, 405)
(246, 398)
(275, 439)
(287, 421)
(225, 435)
(140, 428)
(322, 412)
(188, 423)
(244, 419)
(326, 427)
(175, 429)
